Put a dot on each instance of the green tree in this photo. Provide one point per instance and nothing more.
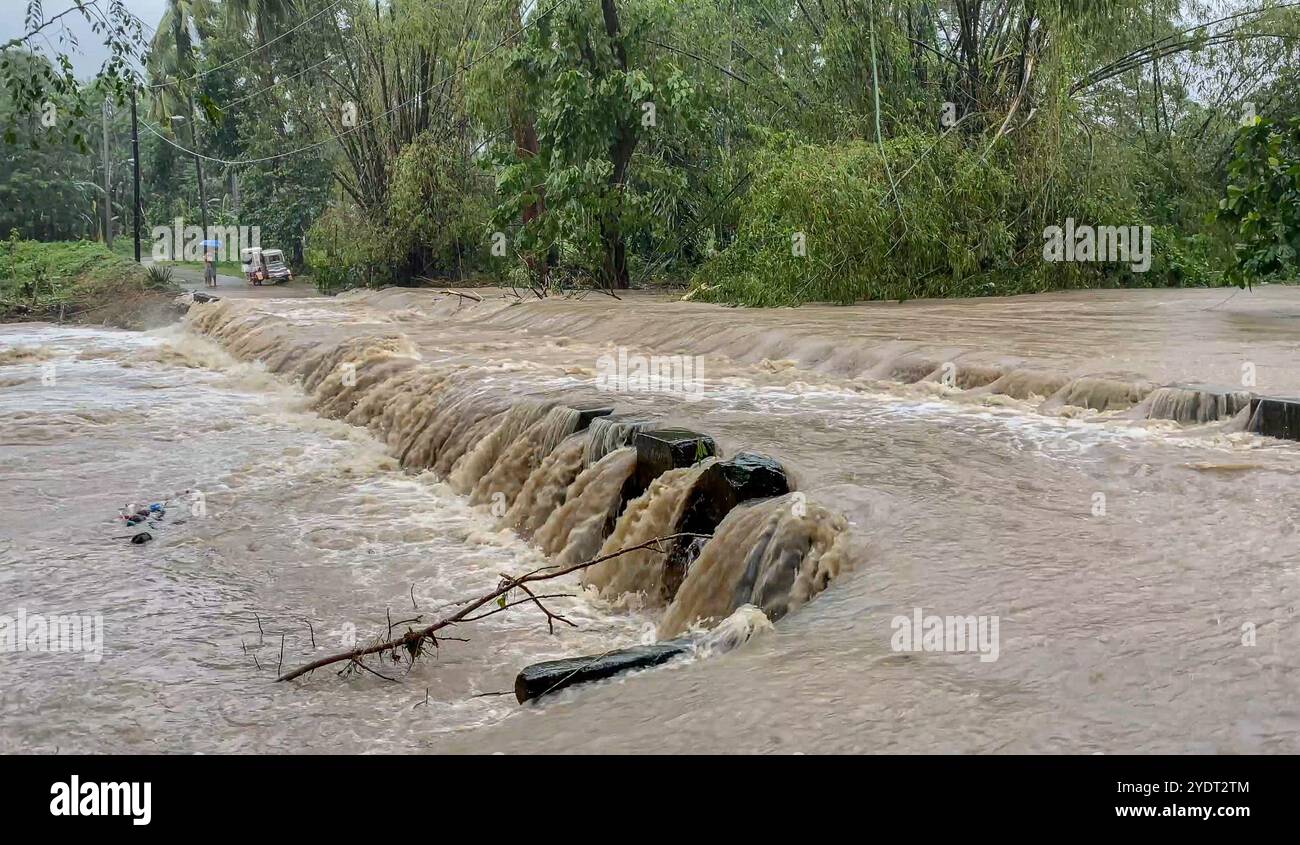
(603, 87)
(1263, 201)
(173, 69)
(51, 187)
(35, 87)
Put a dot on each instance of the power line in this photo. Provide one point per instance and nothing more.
(239, 100)
(152, 30)
(331, 6)
(453, 74)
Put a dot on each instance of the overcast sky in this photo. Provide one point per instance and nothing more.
(90, 53)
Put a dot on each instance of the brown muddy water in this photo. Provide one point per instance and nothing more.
(1009, 459)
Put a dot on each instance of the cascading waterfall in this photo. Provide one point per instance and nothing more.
(1026, 384)
(1195, 405)
(609, 434)
(564, 488)
(1099, 394)
(478, 462)
(547, 487)
(524, 454)
(468, 426)
(775, 554)
(574, 532)
(655, 513)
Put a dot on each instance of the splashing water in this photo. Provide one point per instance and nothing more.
(997, 472)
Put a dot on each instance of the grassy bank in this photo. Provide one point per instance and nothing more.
(79, 281)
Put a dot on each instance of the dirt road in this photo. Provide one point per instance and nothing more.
(191, 278)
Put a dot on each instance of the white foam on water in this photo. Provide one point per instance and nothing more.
(308, 519)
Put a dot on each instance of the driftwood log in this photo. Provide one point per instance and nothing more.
(541, 679)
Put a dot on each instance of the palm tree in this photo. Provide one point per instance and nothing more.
(171, 67)
(263, 16)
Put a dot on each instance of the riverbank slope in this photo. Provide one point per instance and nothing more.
(82, 282)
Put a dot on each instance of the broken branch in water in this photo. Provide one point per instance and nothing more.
(532, 599)
(413, 642)
(451, 292)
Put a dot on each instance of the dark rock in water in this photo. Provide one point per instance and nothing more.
(663, 449)
(542, 678)
(720, 488)
(660, 450)
(684, 553)
(1275, 417)
(200, 296)
(746, 476)
(586, 415)
(142, 537)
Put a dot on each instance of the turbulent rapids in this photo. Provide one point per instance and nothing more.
(564, 476)
(567, 470)
(368, 458)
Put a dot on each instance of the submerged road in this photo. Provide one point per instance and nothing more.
(191, 279)
(1143, 573)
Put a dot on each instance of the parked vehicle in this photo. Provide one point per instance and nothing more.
(264, 266)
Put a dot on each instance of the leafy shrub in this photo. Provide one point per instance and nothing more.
(435, 223)
(160, 276)
(345, 249)
(962, 223)
(836, 201)
(438, 209)
(1263, 201)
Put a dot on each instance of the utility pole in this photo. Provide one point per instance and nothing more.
(135, 160)
(108, 184)
(198, 165)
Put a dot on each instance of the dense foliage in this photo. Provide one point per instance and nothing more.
(1263, 201)
(761, 151)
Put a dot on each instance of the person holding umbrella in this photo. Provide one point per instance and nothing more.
(210, 263)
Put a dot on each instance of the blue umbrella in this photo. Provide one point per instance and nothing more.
(210, 243)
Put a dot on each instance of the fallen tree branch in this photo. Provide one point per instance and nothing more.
(413, 641)
(532, 599)
(358, 664)
(472, 296)
(451, 292)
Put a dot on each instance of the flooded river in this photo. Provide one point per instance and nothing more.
(330, 467)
